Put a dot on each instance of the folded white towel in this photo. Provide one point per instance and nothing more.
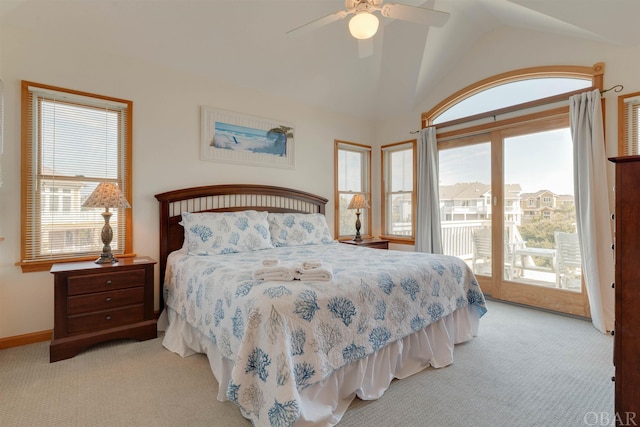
(308, 265)
(270, 262)
(323, 273)
(280, 272)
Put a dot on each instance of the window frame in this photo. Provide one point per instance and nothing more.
(386, 214)
(30, 162)
(595, 73)
(365, 152)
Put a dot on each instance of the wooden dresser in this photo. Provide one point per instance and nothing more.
(101, 302)
(626, 353)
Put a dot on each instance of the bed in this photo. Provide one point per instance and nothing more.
(297, 352)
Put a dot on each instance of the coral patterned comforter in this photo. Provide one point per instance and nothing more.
(284, 336)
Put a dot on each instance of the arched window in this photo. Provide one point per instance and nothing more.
(512, 93)
(506, 181)
(515, 91)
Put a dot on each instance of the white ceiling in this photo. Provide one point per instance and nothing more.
(244, 42)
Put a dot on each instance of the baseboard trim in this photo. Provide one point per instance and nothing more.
(25, 339)
(35, 337)
(533, 307)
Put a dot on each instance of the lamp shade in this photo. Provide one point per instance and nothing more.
(358, 202)
(106, 195)
(364, 25)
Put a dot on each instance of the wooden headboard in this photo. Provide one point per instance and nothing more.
(224, 198)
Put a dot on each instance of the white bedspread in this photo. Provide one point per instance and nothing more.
(284, 337)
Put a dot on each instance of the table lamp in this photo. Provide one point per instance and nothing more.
(358, 202)
(106, 195)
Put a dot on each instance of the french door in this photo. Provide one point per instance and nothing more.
(507, 208)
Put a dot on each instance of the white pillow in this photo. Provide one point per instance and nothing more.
(213, 233)
(297, 229)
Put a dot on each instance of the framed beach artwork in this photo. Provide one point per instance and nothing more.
(231, 137)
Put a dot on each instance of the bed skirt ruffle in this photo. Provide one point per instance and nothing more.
(325, 402)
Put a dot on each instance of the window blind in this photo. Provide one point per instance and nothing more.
(73, 142)
(629, 112)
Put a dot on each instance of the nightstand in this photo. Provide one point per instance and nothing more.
(369, 243)
(101, 302)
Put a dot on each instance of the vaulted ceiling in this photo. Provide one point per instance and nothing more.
(244, 42)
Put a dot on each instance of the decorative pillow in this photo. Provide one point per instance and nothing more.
(213, 233)
(297, 229)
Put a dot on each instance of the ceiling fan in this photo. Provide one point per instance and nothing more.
(364, 24)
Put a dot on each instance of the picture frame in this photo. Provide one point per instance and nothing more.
(231, 137)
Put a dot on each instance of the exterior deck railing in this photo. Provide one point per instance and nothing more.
(457, 237)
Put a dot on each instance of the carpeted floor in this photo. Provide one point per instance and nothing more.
(525, 368)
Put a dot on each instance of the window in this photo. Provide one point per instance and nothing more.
(515, 148)
(398, 183)
(353, 176)
(629, 124)
(71, 141)
(510, 94)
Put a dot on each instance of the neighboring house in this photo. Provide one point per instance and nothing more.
(401, 215)
(471, 201)
(465, 201)
(73, 228)
(543, 203)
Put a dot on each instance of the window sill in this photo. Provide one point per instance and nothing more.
(33, 266)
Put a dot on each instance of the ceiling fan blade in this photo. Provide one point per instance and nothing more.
(314, 25)
(419, 15)
(365, 48)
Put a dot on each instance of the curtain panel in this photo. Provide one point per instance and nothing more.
(428, 232)
(592, 206)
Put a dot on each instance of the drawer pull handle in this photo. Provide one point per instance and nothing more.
(108, 317)
(108, 282)
(108, 299)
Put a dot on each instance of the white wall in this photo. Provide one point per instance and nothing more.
(166, 138)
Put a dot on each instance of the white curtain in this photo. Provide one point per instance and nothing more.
(428, 234)
(592, 206)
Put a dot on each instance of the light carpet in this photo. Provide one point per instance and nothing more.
(526, 368)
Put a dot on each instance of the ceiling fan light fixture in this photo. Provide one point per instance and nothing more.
(363, 25)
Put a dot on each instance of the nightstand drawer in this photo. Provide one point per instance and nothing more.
(377, 245)
(89, 283)
(105, 319)
(81, 304)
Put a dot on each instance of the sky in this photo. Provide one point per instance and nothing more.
(541, 161)
(511, 94)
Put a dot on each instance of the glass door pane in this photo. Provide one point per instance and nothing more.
(465, 203)
(540, 239)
